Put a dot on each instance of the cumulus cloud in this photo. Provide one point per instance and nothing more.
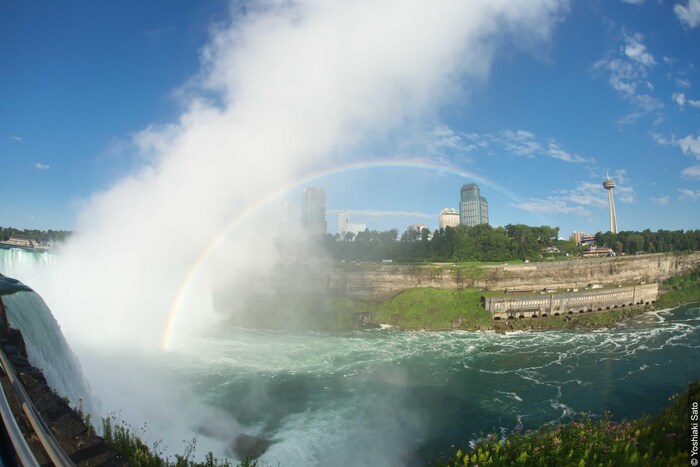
(694, 103)
(679, 98)
(688, 14)
(637, 51)
(42, 166)
(633, 2)
(690, 145)
(16, 138)
(692, 172)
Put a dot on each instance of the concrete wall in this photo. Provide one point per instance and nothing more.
(384, 280)
(556, 304)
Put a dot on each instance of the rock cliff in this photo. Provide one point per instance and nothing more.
(384, 280)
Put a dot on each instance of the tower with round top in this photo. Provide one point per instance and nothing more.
(609, 184)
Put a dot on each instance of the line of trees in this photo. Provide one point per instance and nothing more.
(462, 243)
(662, 241)
(40, 236)
(486, 243)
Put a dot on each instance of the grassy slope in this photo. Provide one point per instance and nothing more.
(679, 290)
(658, 441)
(434, 309)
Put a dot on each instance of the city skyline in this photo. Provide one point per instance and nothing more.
(536, 120)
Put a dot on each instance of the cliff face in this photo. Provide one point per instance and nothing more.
(384, 280)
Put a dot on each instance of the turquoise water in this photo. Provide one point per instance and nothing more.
(385, 397)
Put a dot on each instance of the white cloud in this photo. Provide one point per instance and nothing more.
(688, 15)
(690, 145)
(552, 206)
(637, 51)
(524, 143)
(660, 200)
(553, 150)
(442, 138)
(588, 194)
(42, 166)
(625, 194)
(679, 98)
(692, 172)
(16, 138)
(686, 194)
(628, 69)
(633, 2)
(694, 103)
(660, 139)
(682, 83)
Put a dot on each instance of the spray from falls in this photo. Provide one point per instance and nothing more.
(285, 88)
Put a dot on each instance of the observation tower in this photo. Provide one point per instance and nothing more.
(609, 184)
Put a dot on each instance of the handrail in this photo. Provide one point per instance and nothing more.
(48, 441)
(22, 450)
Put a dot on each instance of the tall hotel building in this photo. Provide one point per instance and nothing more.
(313, 210)
(448, 218)
(473, 208)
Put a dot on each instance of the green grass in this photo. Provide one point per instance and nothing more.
(433, 309)
(123, 439)
(658, 441)
(680, 290)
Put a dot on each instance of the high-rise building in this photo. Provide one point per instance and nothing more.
(313, 210)
(449, 217)
(473, 208)
(345, 226)
(609, 184)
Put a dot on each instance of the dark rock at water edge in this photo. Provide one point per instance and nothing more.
(250, 447)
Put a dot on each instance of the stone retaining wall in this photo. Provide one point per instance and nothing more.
(561, 303)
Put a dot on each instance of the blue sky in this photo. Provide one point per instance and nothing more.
(615, 88)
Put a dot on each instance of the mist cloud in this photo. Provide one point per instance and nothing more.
(283, 88)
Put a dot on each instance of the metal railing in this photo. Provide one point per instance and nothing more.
(22, 450)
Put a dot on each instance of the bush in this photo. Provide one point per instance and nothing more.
(658, 441)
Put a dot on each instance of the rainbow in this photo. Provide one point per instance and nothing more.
(216, 240)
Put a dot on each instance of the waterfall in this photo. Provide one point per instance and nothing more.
(47, 349)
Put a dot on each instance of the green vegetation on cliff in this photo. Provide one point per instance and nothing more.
(679, 290)
(129, 444)
(659, 441)
(433, 309)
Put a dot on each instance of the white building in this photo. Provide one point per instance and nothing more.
(345, 226)
(448, 218)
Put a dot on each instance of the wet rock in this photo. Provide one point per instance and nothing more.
(251, 447)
